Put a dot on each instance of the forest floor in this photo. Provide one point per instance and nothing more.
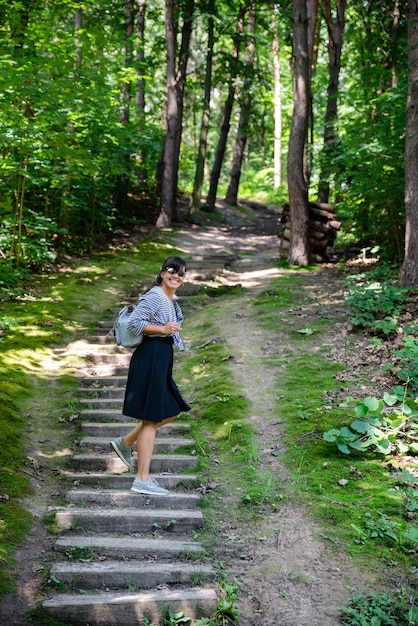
(290, 572)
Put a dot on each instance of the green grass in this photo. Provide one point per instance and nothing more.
(351, 497)
(38, 386)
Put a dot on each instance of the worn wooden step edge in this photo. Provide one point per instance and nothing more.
(108, 391)
(103, 381)
(128, 608)
(124, 480)
(121, 574)
(107, 414)
(116, 429)
(162, 443)
(129, 547)
(105, 402)
(117, 497)
(159, 462)
(128, 520)
(103, 358)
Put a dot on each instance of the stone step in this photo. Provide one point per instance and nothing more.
(106, 415)
(108, 323)
(105, 403)
(105, 369)
(128, 499)
(129, 608)
(103, 381)
(128, 547)
(115, 359)
(128, 520)
(162, 444)
(124, 574)
(124, 481)
(101, 392)
(120, 429)
(159, 462)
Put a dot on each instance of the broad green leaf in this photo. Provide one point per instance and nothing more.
(347, 434)
(384, 447)
(361, 426)
(373, 404)
(361, 410)
(390, 399)
(360, 445)
(342, 447)
(331, 435)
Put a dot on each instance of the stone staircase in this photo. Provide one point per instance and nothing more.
(125, 558)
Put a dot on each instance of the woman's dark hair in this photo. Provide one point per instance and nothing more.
(176, 262)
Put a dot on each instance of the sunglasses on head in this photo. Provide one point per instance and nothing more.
(180, 273)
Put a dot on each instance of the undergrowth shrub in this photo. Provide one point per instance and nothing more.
(380, 610)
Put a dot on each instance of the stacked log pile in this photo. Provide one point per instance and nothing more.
(323, 228)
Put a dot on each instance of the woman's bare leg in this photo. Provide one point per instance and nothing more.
(145, 443)
(132, 436)
(145, 447)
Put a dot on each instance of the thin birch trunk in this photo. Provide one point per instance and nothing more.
(226, 115)
(204, 128)
(242, 134)
(296, 169)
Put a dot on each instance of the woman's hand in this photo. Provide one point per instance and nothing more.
(170, 328)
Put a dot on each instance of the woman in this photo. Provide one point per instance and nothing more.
(151, 394)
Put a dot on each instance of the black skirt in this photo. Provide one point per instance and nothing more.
(151, 393)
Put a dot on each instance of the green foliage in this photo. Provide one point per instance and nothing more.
(380, 610)
(59, 309)
(377, 429)
(375, 304)
(408, 359)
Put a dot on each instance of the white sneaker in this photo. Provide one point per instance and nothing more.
(150, 487)
(123, 451)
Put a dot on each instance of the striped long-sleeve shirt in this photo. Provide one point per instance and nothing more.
(154, 307)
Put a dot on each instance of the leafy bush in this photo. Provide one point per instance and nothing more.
(408, 360)
(379, 610)
(375, 428)
(375, 304)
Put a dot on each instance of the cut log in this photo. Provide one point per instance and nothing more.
(323, 228)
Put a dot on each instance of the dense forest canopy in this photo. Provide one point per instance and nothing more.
(110, 110)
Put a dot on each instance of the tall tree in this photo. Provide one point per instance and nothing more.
(126, 95)
(277, 160)
(227, 111)
(244, 118)
(140, 56)
(335, 43)
(296, 163)
(176, 81)
(204, 127)
(409, 272)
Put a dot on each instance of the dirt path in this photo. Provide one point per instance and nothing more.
(290, 574)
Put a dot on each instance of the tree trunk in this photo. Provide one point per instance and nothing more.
(409, 271)
(175, 98)
(186, 34)
(140, 58)
(78, 25)
(226, 115)
(335, 43)
(167, 187)
(277, 162)
(244, 119)
(125, 95)
(204, 128)
(296, 171)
